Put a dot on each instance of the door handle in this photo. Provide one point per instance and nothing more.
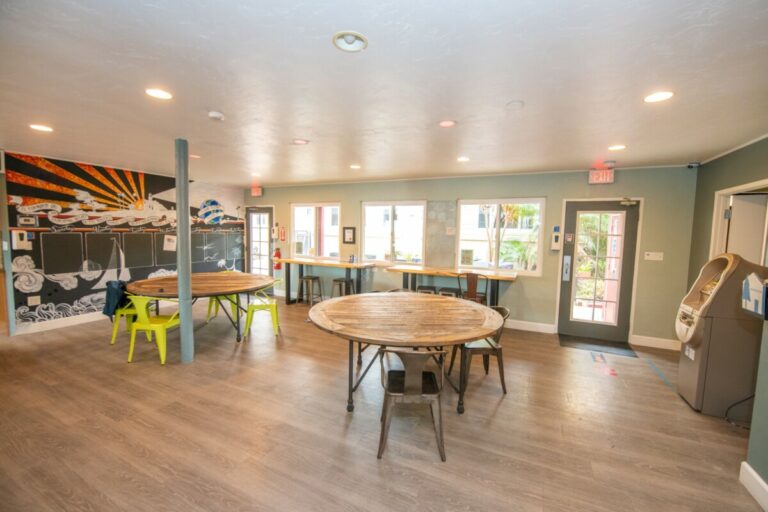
(566, 268)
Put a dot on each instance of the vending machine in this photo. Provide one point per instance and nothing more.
(720, 340)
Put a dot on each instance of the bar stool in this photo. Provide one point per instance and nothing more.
(422, 288)
(449, 292)
(309, 289)
(343, 285)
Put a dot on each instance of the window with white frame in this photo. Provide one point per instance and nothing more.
(393, 232)
(315, 232)
(501, 234)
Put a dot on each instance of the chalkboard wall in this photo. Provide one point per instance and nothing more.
(78, 226)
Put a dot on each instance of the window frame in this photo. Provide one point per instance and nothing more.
(542, 201)
(393, 204)
(292, 241)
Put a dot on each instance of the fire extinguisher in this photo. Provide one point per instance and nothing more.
(275, 256)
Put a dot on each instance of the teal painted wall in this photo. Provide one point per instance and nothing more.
(746, 165)
(667, 219)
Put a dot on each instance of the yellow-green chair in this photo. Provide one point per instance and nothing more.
(157, 325)
(213, 306)
(262, 302)
(128, 312)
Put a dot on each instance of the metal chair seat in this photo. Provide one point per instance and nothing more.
(396, 382)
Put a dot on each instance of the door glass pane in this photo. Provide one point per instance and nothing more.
(598, 256)
(259, 243)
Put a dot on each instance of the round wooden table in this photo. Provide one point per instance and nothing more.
(403, 320)
(206, 284)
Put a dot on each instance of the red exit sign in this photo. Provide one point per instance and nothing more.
(600, 176)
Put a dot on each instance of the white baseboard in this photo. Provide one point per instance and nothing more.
(522, 325)
(31, 327)
(756, 486)
(651, 342)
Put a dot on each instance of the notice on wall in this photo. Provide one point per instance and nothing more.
(169, 243)
(467, 255)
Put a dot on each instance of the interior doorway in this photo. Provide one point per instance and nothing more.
(746, 225)
(259, 246)
(599, 246)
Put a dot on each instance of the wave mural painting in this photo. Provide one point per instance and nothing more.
(75, 226)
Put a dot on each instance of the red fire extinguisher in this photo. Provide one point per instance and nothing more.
(276, 256)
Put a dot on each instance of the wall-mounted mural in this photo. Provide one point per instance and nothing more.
(75, 226)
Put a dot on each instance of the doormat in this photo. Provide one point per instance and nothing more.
(608, 347)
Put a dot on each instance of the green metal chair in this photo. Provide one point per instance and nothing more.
(152, 325)
(263, 302)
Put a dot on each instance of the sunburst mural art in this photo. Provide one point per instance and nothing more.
(99, 211)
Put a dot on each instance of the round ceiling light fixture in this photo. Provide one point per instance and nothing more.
(354, 166)
(515, 105)
(463, 159)
(617, 147)
(256, 174)
(160, 94)
(299, 142)
(350, 41)
(658, 96)
(216, 115)
(448, 123)
(41, 128)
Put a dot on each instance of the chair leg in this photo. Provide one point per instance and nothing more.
(248, 320)
(115, 326)
(437, 422)
(275, 319)
(160, 338)
(386, 420)
(500, 360)
(128, 322)
(486, 362)
(133, 342)
(453, 358)
(211, 301)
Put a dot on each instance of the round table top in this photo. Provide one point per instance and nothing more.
(204, 284)
(405, 319)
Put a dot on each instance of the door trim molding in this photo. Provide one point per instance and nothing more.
(719, 226)
(641, 204)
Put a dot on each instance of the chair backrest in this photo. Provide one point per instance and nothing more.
(141, 303)
(504, 312)
(413, 364)
(262, 296)
(476, 283)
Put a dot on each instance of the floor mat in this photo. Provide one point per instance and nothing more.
(608, 347)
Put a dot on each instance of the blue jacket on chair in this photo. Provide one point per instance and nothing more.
(116, 298)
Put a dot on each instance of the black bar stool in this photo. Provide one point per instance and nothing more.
(343, 285)
(309, 289)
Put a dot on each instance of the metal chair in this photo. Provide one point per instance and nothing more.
(263, 302)
(486, 347)
(422, 288)
(449, 291)
(474, 284)
(343, 285)
(308, 282)
(412, 385)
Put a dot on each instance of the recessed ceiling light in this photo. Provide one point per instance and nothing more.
(41, 127)
(617, 147)
(463, 159)
(299, 142)
(216, 115)
(448, 123)
(658, 96)
(195, 156)
(350, 41)
(515, 105)
(255, 174)
(159, 94)
(354, 166)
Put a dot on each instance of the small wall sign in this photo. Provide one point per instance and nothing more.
(349, 235)
(600, 176)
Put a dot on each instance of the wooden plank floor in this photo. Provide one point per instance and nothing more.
(262, 425)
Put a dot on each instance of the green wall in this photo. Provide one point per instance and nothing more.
(746, 165)
(667, 218)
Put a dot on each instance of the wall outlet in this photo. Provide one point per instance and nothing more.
(653, 256)
(33, 300)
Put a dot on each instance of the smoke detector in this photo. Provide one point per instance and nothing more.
(350, 41)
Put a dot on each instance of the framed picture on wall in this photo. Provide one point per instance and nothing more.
(349, 235)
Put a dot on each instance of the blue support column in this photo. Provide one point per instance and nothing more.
(184, 252)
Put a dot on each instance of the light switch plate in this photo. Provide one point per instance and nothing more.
(654, 256)
(33, 300)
